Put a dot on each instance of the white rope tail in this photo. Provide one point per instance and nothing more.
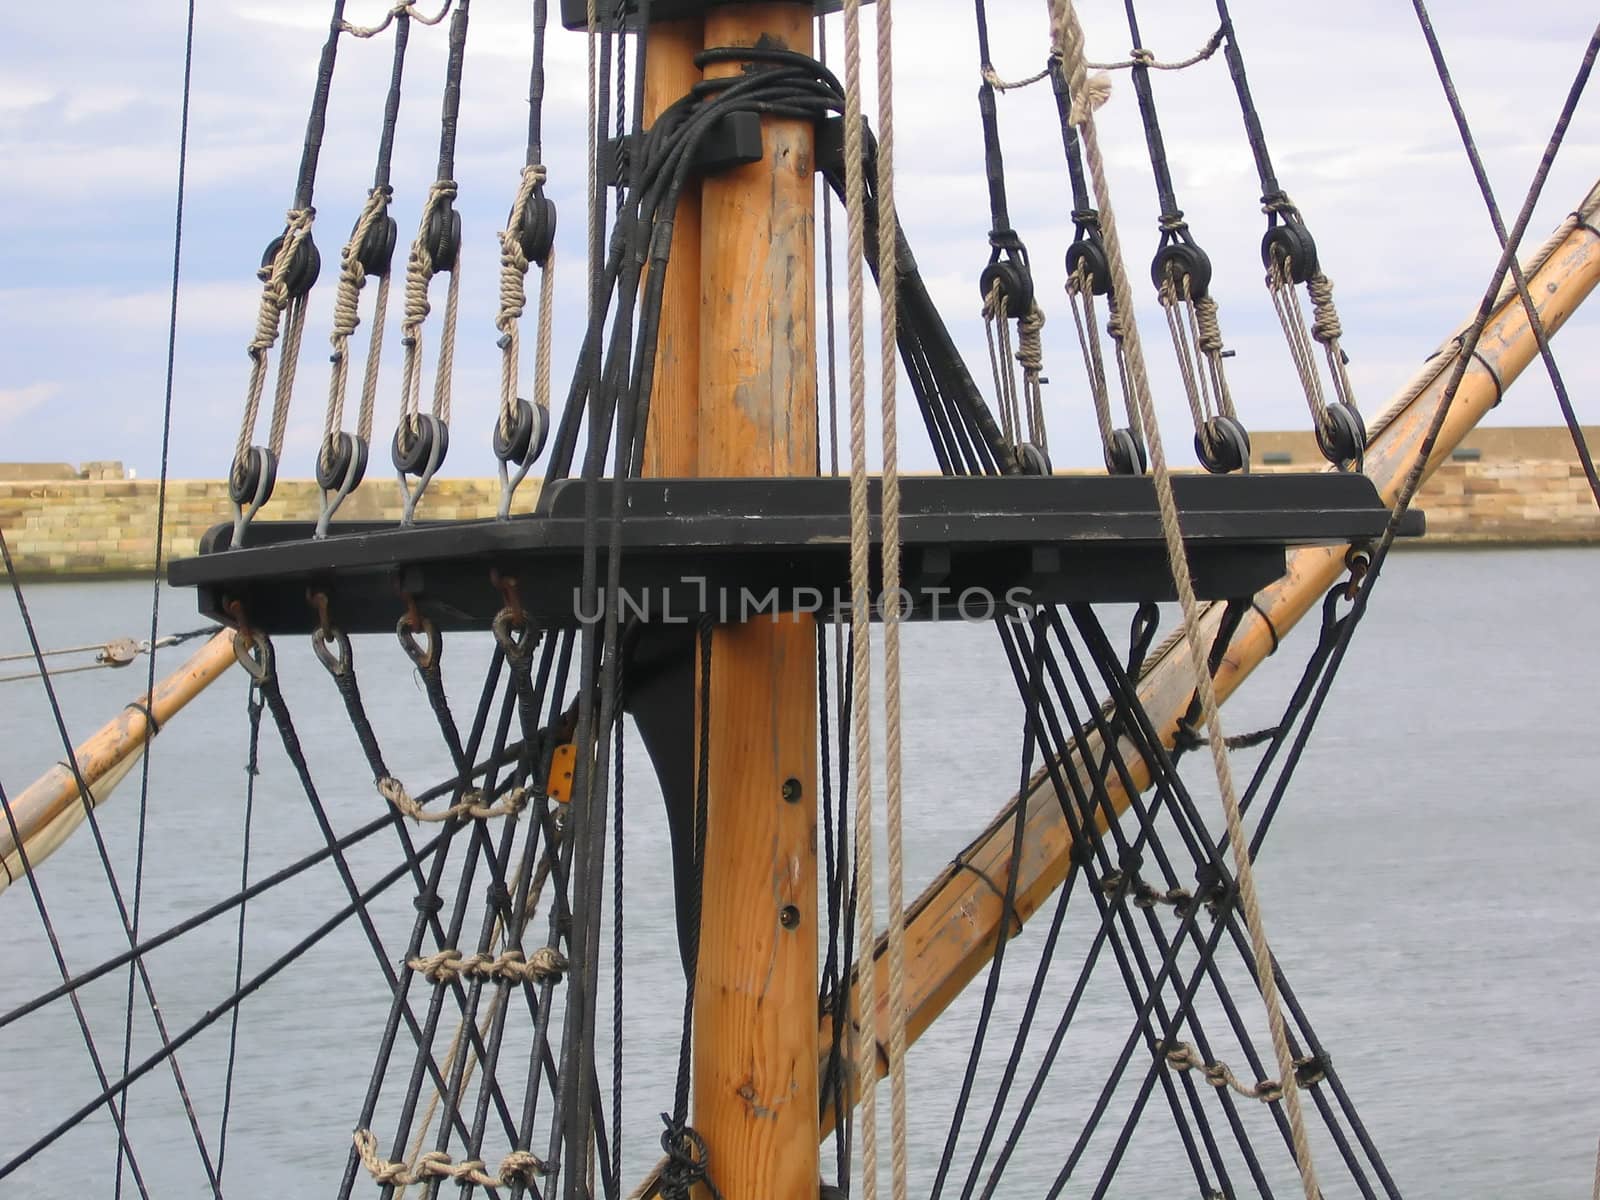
(1087, 95)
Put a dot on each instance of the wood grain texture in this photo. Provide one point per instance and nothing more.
(756, 1049)
(672, 439)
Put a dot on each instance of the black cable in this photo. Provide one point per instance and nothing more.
(252, 768)
(155, 941)
(111, 1090)
(123, 1145)
(161, 529)
(86, 798)
(1535, 321)
(427, 903)
(1008, 905)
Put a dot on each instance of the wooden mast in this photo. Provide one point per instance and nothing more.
(735, 395)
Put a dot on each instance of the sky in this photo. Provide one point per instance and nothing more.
(90, 98)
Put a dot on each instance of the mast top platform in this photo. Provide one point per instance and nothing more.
(734, 549)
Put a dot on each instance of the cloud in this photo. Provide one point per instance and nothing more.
(15, 402)
(1358, 131)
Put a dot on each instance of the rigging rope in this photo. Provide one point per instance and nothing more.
(889, 551)
(1067, 39)
(865, 1019)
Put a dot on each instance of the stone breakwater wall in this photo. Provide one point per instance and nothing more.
(97, 527)
(90, 527)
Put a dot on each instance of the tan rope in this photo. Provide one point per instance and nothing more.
(407, 10)
(1138, 57)
(269, 319)
(419, 273)
(518, 1166)
(1030, 353)
(347, 316)
(1184, 1057)
(445, 965)
(470, 805)
(513, 292)
(288, 362)
(535, 891)
(866, 1059)
(1291, 317)
(1080, 298)
(888, 357)
(997, 333)
(1067, 39)
(369, 380)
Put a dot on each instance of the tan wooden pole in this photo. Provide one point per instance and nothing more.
(49, 810)
(672, 440)
(952, 926)
(756, 1048)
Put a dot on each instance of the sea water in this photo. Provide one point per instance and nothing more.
(1428, 888)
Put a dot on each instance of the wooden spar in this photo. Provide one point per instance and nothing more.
(49, 810)
(952, 926)
(755, 1048)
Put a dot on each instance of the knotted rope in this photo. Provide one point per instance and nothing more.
(514, 265)
(347, 317)
(688, 1162)
(445, 965)
(275, 299)
(407, 10)
(420, 271)
(1030, 354)
(520, 1166)
(1184, 1057)
(1137, 57)
(1068, 41)
(470, 805)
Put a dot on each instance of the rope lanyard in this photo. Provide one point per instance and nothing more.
(289, 268)
(421, 440)
(529, 237)
(369, 252)
(1289, 254)
(1006, 286)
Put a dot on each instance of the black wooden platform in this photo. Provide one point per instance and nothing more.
(743, 548)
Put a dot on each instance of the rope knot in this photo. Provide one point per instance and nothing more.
(688, 1161)
(1030, 346)
(1210, 327)
(1325, 326)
